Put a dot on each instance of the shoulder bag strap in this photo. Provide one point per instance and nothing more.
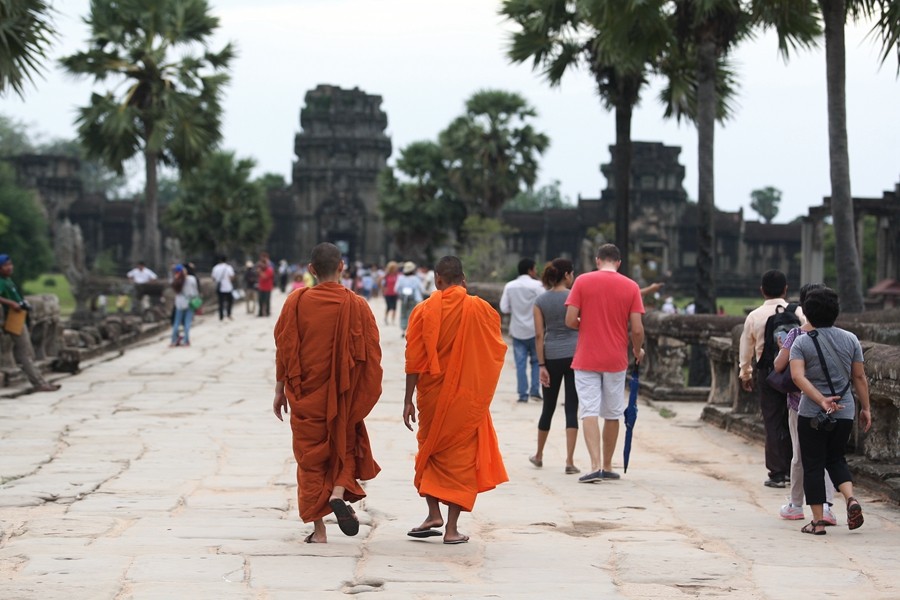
(814, 335)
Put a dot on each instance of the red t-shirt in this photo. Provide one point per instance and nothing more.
(390, 284)
(605, 300)
(266, 279)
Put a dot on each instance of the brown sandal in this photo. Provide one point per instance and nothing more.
(854, 513)
(812, 525)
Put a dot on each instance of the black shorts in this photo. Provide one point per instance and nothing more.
(391, 302)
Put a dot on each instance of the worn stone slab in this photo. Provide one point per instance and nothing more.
(312, 573)
(201, 569)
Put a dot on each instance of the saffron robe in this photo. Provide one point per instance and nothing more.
(455, 346)
(327, 354)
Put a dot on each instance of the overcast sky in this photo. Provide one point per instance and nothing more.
(425, 57)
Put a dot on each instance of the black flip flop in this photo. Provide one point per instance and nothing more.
(346, 516)
(464, 539)
(423, 533)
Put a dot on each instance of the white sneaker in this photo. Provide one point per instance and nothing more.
(828, 516)
(791, 512)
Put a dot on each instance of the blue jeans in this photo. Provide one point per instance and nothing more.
(182, 316)
(522, 349)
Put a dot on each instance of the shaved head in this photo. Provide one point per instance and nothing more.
(450, 269)
(325, 259)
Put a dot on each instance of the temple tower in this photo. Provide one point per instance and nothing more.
(341, 148)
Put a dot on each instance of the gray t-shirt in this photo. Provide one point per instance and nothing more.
(841, 349)
(559, 340)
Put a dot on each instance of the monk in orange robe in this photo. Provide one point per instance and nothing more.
(328, 370)
(454, 355)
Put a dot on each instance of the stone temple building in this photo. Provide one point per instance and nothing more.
(333, 197)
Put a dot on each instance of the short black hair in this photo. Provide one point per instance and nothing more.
(325, 259)
(609, 253)
(806, 288)
(525, 265)
(822, 307)
(450, 269)
(773, 283)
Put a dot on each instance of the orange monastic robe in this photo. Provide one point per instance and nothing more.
(454, 343)
(328, 356)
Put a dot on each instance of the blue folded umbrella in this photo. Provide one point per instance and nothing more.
(631, 415)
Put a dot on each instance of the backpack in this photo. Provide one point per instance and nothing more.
(778, 325)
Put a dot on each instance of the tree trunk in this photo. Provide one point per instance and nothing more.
(849, 278)
(623, 182)
(153, 255)
(705, 297)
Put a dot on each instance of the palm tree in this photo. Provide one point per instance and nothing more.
(25, 35)
(835, 14)
(493, 150)
(169, 109)
(618, 41)
(701, 80)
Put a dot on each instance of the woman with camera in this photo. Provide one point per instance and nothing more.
(825, 364)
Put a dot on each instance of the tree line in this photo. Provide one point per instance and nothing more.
(168, 112)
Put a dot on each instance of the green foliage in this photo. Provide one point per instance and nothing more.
(419, 207)
(765, 202)
(484, 255)
(14, 138)
(548, 196)
(25, 35)
(492, 150)
(105, 263)
(272, 181)
(219, 209)
(51, 283)
(164, 99)
(25, 239)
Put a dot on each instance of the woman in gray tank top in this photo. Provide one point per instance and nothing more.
(555, 348)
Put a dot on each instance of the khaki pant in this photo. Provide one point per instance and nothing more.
(23, 352)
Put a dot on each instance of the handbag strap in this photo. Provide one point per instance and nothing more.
(814, 335)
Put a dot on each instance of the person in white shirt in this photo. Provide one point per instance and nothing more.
(140, 274)
(223, 275)
(518, 301)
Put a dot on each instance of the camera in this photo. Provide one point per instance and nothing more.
(823, 421)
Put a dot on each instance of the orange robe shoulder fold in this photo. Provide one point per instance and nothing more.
(454, 344)
(327, 354)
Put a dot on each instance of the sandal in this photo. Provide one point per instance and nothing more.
(854, 513)
(811, 528)
(536, 461)
(346, 516)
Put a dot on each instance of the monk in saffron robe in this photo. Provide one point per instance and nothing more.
(328, 370)
(454, 355)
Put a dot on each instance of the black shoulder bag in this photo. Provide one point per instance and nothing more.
(825, 421)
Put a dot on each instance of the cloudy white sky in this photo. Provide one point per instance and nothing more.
(425, 57)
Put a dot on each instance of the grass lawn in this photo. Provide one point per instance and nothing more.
(56, 284)
(733, 306)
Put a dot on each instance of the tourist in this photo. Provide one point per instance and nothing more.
(823, 361)
(298, 282)
(426, 274)
(772, 403)
(367, 282)
(265, 284)
(15, 308)
(668, 306)
(347, 280)
(555, 345)
(389, 291)
(793, 510)
(223, 275)
(409, 293)
(454, 355)
(250, 292)
(602, 306)
(328, 370)
(283, 272)
(184, 282)
(517, 300)
(140, 274)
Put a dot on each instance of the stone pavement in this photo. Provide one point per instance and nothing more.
(163, 474)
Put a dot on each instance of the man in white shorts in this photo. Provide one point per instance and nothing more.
(601, 306)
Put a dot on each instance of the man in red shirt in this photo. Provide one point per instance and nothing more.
(265, 284)
(601, 306)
